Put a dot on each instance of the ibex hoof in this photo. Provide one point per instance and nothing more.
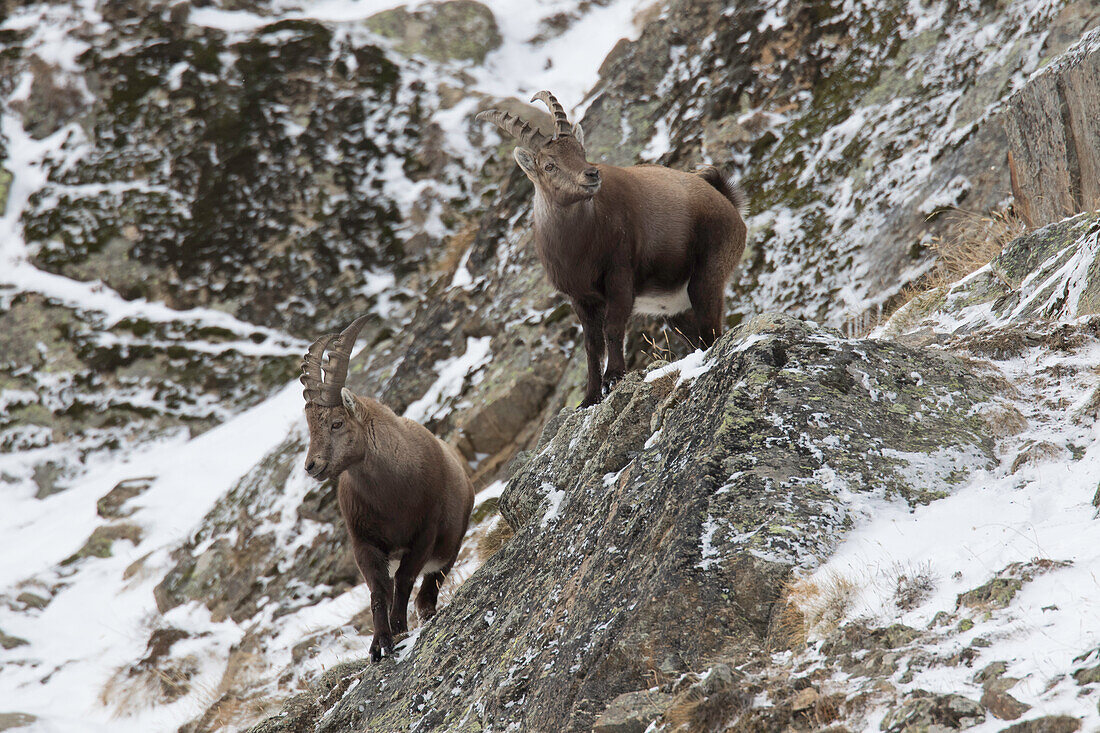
(381, 646)
(609, 384)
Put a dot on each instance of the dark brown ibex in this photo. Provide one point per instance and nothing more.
(618, 241)
(403, 493)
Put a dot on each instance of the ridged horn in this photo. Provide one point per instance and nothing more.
(312, 377)
(561, 121)
(522, 130)
(336, 365)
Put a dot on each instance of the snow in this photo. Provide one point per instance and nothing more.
(554, 499)
(453, 372)
(691, 366)
(93, 625)
(1006, 514)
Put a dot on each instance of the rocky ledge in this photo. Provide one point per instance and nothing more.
(713, 478)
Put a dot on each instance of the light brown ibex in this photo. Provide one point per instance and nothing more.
(618, 241)
(403, 493)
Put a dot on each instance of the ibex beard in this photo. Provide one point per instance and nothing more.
(403, 493)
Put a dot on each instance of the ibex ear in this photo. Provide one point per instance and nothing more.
(352, 404)
(526, 160)
(578, 132)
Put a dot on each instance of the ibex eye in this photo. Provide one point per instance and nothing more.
(338, 424)
(548, 167)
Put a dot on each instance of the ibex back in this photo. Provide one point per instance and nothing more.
(403, 493)
(618, 241)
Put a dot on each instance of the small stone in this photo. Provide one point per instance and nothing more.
(1088, 675)
(458, 29)
(632, 712)
(11, 721)
(990, 672)
(32, 600)
(1002, 705)
(10, 642)
(925, 711)
(719, 677)
(804, 699)
(100, 541)
(1047, 724)
(110, 505)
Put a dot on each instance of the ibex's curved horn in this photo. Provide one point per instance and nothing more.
(522, 130)
(311, 368)
(336, 366)
(561, 121)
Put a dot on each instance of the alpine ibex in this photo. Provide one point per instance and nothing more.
(403, 493)
(618, 241)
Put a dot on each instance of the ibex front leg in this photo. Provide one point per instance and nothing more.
(591, 315)
(374, 565)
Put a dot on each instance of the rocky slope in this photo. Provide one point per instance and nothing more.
(196, 189)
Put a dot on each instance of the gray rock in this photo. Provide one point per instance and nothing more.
(110, 506)
(33, 600)
(927, 713)
(12, 721)
(632, 712)
(462, 30)
(11, 642)
(1046, 724)
(1002, 705)
(1053, 130)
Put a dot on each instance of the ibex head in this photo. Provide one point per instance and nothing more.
(557, 166)
(336, 417)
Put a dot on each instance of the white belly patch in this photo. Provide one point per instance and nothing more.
(659, 303)
(395, 561)
(431, 566)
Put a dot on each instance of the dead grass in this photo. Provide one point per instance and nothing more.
(812, 606)
(970, 241)
(494, 539)
(695, 712)
(454, 247)
(914, 585)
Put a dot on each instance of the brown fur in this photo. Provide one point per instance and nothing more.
(403, 493)
(609, 235)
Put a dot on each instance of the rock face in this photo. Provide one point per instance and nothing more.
(1053, 131)
(462, 30)
(789, 99)
(711, 483)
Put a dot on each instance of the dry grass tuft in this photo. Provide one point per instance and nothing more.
(695, 712)
(971, 241)
(494, 539)
(914, 585)
(812, 606)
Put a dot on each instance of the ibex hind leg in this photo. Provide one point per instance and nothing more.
(687, 327)
(707, 286)
(428, 596)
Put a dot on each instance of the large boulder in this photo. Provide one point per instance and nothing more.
(462, 30)
(658, 528)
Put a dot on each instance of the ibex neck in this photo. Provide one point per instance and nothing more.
(549, 214)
